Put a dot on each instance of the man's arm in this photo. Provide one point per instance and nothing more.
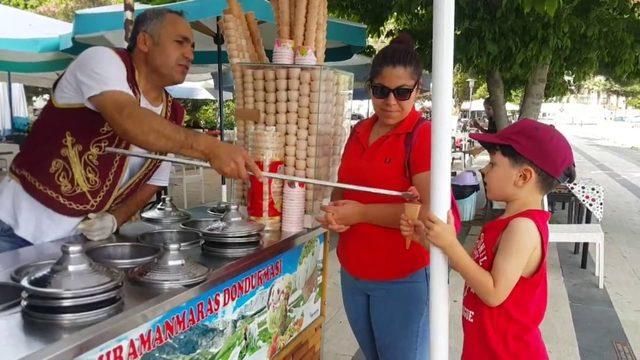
(518, 245)
(150, 131)
(134, 203)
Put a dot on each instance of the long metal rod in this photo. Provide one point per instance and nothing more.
(443, 29)
(10, 91)
(219, 40)
(271, 175)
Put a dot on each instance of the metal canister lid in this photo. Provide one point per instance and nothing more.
(72, 275)
(166, 212)
(188, 239)
(232, 224)
(172, 269)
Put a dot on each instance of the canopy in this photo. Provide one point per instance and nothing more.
(31, 43)
(359, 66)
(203, 90)
(20, 111)
(478, 105)
(104, 26)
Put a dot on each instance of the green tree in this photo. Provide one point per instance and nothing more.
(521, 47)
(204, 114)
(59, 9)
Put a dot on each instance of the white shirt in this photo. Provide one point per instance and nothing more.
(96, 70)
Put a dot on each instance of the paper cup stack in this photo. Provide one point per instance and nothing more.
(283, 51)
(293, 207)
(305, 56)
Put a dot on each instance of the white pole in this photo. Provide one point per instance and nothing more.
(443, 26)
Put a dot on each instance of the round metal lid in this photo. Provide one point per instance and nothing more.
(88, 315)
(23, 271)
(166, 212)
(188, 239)
(123, 255)
(233, 251)
(214, 241)
(72, 275)
(36, 300)
(232, 224)
(9, 295)
(172, 269)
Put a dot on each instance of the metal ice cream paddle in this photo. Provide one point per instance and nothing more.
(403, 194)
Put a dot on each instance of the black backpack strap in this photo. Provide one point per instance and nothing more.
(409, 142)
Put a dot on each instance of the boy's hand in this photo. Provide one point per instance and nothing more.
(413, 230)
(438, 233)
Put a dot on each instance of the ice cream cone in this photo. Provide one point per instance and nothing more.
(411, 210)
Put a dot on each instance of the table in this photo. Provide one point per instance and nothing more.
(585, 198)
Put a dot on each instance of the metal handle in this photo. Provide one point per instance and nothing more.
(405, 195)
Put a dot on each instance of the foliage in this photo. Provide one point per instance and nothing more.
(59, 9)
(576, 37)
(204, 114)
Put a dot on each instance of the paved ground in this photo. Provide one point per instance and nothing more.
(582, 321)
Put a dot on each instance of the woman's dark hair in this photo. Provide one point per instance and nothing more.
(545, 181)
(399, 53)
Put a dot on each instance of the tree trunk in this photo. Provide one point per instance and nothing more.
(128, 19)
(534, 92)
(496, 94)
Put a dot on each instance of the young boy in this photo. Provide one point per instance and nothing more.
(505, 294)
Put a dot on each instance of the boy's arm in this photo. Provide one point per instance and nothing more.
(517, 244)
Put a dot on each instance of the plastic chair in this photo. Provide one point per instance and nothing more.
(183, 175)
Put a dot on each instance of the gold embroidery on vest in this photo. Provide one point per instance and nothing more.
(76, 173)
(64, 173)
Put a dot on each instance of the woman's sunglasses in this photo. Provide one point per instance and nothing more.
(400, 93)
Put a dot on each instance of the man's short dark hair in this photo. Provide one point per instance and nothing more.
(546, 182)
(148, 22)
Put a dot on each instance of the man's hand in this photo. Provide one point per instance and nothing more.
(233, 162)
(99, 226)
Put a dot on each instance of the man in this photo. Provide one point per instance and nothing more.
(62, 182)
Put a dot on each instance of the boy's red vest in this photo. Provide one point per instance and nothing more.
(63, 165)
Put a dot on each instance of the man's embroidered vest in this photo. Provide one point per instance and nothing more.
(63, 165)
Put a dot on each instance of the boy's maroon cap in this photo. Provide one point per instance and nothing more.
(541, 144)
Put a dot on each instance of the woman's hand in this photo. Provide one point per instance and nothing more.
(328, 222)
(438, 233)
(345, 212)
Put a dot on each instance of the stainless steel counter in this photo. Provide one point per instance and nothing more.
(20, 338)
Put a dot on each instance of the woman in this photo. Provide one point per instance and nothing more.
(384, 284)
